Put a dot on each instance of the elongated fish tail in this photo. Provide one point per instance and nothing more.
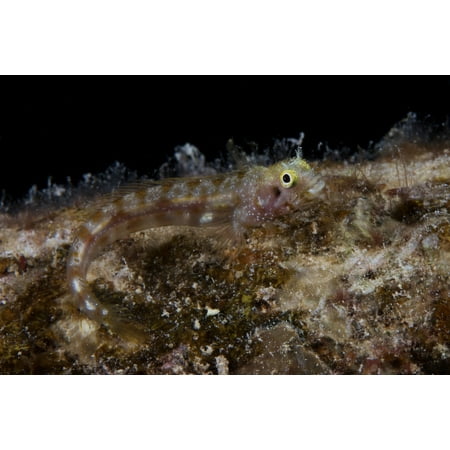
(77, 266)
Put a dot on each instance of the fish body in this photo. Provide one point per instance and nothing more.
(237, 200)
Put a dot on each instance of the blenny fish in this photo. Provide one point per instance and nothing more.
(237, 200)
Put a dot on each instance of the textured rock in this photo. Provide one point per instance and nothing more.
(282, 353)
(357, 282)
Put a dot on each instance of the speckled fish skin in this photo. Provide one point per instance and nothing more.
(238, 200)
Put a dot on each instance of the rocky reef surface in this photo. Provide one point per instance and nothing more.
(354, 283)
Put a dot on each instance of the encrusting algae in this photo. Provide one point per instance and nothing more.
(337, 268)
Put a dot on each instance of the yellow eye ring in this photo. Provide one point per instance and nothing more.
(288, 178)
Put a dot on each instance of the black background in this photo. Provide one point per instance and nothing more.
(67, 126)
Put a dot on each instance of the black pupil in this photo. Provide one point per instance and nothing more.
(286, 178)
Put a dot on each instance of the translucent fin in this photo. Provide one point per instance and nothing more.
(227, 238)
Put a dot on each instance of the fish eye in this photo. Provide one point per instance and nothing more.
(288, 178)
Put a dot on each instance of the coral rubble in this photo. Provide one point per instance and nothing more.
(356, 282)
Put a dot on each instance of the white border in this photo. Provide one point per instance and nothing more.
(223, 37)
(202, 412)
